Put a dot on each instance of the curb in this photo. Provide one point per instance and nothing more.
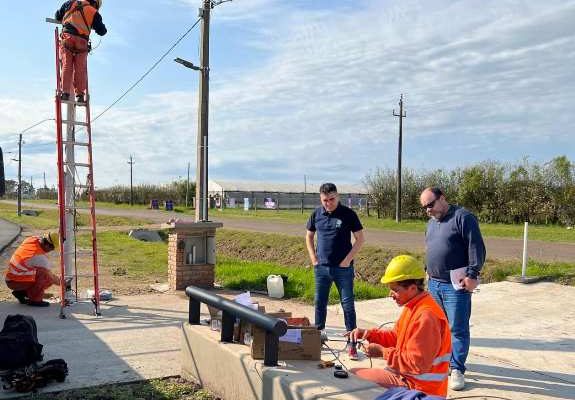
(10, 241)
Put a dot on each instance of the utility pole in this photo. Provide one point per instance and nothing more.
(45, 187)
(20, 175)
(203, 97)
(131, 162)
(31, 187)
(401, 116)
(188, 185)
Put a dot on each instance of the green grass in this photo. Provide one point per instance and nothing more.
(245, 275)
(549, 233)
(48, 219)
(496, 271)
(155, 389)
(124, 255)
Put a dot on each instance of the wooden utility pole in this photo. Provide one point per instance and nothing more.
(131, 162)
(401, 116)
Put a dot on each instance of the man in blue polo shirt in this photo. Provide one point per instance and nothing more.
(455, 254)
(333, 257)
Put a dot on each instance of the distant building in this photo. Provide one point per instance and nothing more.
(267, 195)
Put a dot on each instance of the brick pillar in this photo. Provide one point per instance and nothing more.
(181, 274)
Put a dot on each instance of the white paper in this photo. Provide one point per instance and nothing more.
(244, 299)
(456, 276)
(292, 336)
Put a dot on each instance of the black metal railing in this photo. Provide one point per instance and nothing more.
(274, 327)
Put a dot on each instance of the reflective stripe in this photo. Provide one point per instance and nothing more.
(27, 272)
(430, 377)
(444, 358)
(20, 269)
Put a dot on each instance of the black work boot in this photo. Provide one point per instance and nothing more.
(65, 96)
(38, 303)
(80, 98)
(20, 295)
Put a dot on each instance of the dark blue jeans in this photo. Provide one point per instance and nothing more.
(457, 307)
(325, 275)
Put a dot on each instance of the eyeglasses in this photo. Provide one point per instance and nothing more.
(429, 205)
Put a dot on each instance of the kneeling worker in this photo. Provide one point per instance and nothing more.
(418, 348)
(28, 273)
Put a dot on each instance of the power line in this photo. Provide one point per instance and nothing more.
(131, 87)
(148, 71)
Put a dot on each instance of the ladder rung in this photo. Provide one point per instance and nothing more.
(76, 164)
(74, 102)
(83, 186)
(75, 143)
(67, 121)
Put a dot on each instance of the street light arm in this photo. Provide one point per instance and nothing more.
(36, 124)
(187, 64)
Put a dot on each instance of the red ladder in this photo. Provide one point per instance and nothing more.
(67, 172)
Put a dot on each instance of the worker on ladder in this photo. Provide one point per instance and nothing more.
(78, 18)
(28, 273)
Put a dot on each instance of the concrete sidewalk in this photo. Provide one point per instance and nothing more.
(523, 344)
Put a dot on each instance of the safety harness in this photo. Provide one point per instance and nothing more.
(69, 18)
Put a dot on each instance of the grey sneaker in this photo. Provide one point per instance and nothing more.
(323, 336)
(456, 380)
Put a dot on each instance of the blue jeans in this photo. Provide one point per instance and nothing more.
(325, 275)
(457, 307)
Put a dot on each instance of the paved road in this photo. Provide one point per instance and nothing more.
(497, 248)
(8, 232)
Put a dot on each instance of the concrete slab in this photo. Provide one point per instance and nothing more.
(137, 338)
(205, 359)
(523, 340)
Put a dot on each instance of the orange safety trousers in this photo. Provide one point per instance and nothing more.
(34, 290)
(74, 53)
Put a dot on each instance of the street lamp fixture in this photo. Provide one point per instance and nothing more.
(187, 64)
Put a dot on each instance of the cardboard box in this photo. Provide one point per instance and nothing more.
(307, 348)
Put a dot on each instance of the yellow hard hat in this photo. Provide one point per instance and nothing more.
(402, 268)
(53, 238)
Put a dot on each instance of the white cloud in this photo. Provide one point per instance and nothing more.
(481, 79)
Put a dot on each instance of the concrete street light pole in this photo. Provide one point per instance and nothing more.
(201, 213)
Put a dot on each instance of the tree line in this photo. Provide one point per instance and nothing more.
(493, 191)
(142, 194)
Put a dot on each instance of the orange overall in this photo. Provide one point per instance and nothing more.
(28, 270)
(74, 47)
(417, 350)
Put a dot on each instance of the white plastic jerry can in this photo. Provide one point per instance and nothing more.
(275, 286)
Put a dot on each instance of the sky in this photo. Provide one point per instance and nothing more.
(301, 87)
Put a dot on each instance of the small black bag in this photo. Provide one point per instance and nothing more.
(19, 345)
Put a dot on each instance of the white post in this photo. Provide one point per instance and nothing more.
(524, 264)
(69, 201)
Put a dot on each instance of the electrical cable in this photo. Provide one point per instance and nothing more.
(148, 71)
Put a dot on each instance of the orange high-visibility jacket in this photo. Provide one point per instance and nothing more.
(80, 16)
(419, 346)
(25, 260)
